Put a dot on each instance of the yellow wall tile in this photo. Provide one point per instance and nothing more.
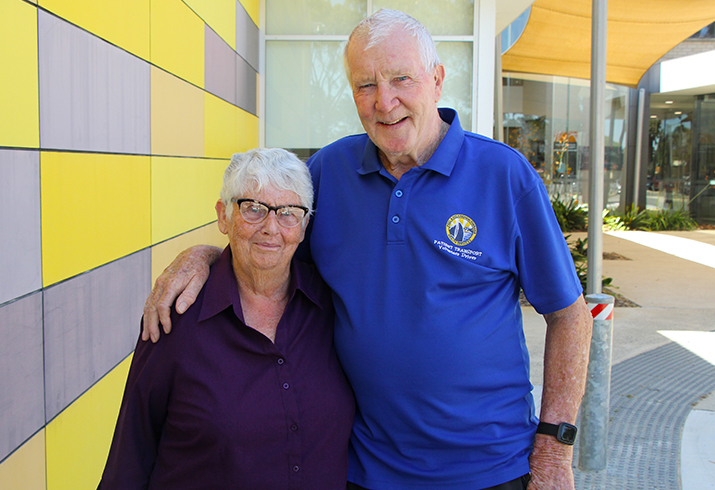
(252, 7)
(163, 253)
(220, 15)
(177, 116)
(125, 23)
(183, 194)
(95, 209)
(19, 114)
(228, 129)
(25, 468)
(177, 40)
(78, 439)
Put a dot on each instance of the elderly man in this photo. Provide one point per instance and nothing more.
(426, 234)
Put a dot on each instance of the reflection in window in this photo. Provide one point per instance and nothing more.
(681, 174)
(707, 32)
(547, 120)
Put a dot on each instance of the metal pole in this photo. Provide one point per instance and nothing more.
(593, 442)
(639, 146)
(597, 151)
(498, 93)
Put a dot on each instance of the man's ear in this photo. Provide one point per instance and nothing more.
(438, 81)
(222, 220)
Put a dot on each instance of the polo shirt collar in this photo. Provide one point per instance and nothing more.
(221, 290)
(442, 160)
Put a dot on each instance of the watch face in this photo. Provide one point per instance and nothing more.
(567, 434)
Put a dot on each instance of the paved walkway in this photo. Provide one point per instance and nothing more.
(662, 422)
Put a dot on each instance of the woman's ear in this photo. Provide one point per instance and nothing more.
(222, 220)
(304, 227)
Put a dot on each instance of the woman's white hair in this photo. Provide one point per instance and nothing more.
(254, 170)
(377, 28)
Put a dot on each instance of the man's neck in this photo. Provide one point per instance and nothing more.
(398, 166)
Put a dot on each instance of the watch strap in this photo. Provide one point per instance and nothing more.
(563, 432)
(548, 429)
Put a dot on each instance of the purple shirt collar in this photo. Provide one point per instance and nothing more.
(221, 290)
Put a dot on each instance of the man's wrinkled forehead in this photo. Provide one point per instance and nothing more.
(389, 51)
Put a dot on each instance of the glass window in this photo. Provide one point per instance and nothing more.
(308, 101)
(670, 136)
(707, 32)
(457, 92)
(445, 18)
(547, 120)
(324, 17)
(702, 190)
(681, 174)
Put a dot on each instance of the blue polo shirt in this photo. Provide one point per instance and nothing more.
(426, 273)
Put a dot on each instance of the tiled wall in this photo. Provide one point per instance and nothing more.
(116, 122)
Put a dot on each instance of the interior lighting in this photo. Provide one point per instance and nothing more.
(668, 101)
(677, 113)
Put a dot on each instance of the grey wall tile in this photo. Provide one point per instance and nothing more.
(22, 399)
(246, 87)
(219, 66)
(20, 245)
(92, 323)
(246, 36)
(93, 96)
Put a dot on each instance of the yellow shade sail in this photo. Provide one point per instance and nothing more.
(557, 37)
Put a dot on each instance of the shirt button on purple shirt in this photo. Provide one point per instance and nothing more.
(286, 386)
(296, 469)
(280, 361)
(293, 427)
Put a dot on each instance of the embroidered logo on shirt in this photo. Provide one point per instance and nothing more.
(461, 229)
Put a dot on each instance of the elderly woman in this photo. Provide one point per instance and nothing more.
(248, 392)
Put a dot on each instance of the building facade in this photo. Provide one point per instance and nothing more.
(118, 118)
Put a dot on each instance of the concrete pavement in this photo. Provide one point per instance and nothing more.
(662, 421)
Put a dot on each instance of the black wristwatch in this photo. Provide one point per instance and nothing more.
(564, 433)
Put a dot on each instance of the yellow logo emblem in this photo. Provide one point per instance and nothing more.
(461, 230)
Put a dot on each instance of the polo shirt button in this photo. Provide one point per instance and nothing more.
(395, 219)
(398, 193)
(293, 427)
(286, 386)
(280, 361)
(296, 469)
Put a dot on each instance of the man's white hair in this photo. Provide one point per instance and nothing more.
(377, 28)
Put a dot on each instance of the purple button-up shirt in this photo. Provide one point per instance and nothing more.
(216, 404)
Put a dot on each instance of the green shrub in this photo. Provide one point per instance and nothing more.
(632, 219)
(570, 215)
(666, 220)
(660, 220)
(579, 253)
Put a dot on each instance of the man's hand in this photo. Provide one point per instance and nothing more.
(184, 278)
(550, 465)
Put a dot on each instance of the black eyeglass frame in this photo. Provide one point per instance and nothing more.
(275, 209)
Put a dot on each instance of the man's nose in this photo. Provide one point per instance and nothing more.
(385, 98)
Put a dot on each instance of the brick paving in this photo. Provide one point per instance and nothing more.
(651, 397)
